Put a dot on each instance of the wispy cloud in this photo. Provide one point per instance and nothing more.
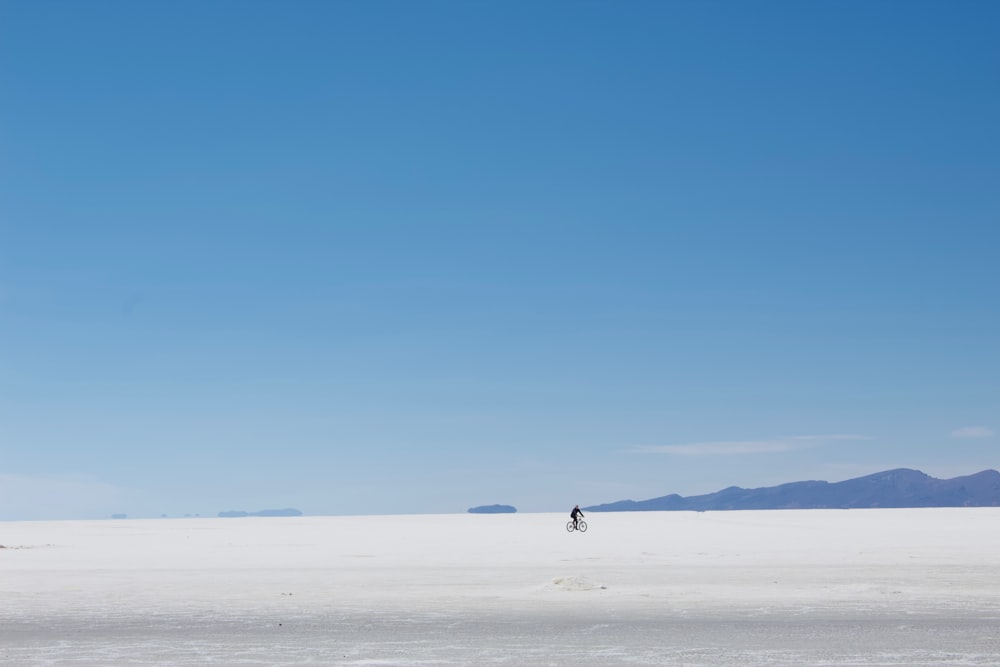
(973, 432)
(735, 447)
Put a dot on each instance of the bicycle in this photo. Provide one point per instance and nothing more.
(581, 526)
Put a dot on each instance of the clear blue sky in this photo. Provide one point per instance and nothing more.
(385, 257)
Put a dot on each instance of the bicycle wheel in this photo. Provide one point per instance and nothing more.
(581, 526)
(569, 526)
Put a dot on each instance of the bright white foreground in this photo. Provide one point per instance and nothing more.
(859, 587)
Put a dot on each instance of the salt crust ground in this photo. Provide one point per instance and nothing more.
(859, 587)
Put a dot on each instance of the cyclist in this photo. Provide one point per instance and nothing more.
(576, 515)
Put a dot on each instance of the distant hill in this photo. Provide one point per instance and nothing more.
(893, 488)
(235, 514)
(492, 509)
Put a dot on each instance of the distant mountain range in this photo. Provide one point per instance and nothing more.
(893, 488)
(235, 514)
(493, 509)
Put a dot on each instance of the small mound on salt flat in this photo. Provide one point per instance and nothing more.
(27, 546)
(576, 584)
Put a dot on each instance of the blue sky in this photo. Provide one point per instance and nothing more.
(386, 257)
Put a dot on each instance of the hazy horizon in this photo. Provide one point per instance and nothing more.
(250, 512)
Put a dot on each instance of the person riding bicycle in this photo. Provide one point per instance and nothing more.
(576, 515)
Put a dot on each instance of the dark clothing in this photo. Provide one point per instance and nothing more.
(576, 514)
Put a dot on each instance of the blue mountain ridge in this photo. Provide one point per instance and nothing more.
(901, 487)
(493, 509)
(232, 514)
